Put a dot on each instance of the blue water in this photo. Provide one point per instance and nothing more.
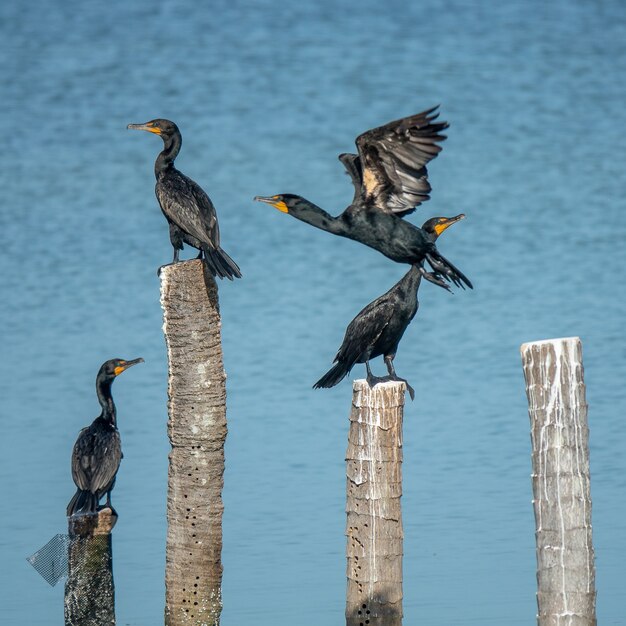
(266, 95)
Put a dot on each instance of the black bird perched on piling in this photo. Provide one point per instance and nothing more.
(98, 450)
(390, 181)
(187, 208)
(377, 330)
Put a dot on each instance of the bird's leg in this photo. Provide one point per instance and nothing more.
(199, 254)
(371, 379)
(393, 376)
(176, 239)
(433, 277)
(109, 505)
(174, 260)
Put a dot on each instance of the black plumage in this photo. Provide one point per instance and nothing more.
(97, 452)
(390, 180)
(188, 209)
(377, 331)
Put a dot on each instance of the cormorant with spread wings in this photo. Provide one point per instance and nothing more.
(390, 180)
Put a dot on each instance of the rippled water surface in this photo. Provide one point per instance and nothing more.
(266, 95)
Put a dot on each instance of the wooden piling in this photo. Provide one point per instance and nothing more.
(197, 431)
(374, 520)
(89, 589)
(553, 370)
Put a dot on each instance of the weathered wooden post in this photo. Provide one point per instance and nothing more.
(553, 370)
(197, 432)
(374, 519)
(89, 588)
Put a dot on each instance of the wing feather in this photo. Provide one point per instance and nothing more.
(188, 206)
(365, 329)
(96, 458)
(393, 160)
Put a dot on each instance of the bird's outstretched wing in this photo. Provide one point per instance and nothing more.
(352, 163)
(364, 330)
(186, 204)
(95, 459)
(393, 161)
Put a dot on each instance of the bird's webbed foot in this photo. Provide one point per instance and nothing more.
(175, 259)
(167, 265)
(435, 278)
(441, 270)
(108, 506)
(393, 376)
(372, 380)
(405, 381)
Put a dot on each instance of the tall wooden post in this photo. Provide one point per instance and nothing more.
(89, 588)
(553, 370)
(197, 432)
(374, 487)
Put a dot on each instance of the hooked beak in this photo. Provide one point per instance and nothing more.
(150, 128)
(274, 201)
(124, 366)
(439, 228)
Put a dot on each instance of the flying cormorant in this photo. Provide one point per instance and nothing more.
(98, 450)
(390, 181)
(187, 208)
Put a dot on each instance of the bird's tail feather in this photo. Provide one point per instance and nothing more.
(220, 264)
(82, 502)
(442, 266)
(333, 376)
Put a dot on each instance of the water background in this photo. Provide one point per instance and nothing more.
(267, 94)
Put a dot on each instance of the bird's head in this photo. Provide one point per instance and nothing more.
(114, 367)
(436, 225)
(283, 201)
(164, 128)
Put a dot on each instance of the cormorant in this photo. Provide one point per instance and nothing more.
(377, 330)
(390, 181)
(98, 450)
(187, 208)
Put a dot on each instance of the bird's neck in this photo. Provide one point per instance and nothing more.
(170, 151)
(411, 280)
(315, 216)
(103, 388)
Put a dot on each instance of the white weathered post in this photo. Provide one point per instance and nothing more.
(553, 370)
(197, 432)
(374, 519)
